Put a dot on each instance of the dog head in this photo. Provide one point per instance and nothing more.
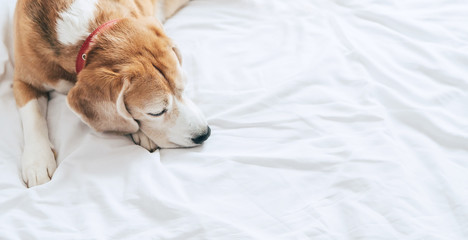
(133, 81)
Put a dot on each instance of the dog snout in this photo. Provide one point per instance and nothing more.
(202, 137)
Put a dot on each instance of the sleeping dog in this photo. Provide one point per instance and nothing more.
(121, 72)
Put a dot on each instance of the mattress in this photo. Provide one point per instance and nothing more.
(330, 120)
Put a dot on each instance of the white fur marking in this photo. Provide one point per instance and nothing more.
(62, 86)
(188, 124)
(73, 23)
(38, 161)
(33, 119)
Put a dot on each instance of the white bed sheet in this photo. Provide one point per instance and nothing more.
(336, 119)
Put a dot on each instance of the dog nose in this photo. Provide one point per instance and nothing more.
(200, 139)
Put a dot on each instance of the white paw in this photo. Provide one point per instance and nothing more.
(38, 165)
(141, 139)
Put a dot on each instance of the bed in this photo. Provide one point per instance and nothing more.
(336, 119)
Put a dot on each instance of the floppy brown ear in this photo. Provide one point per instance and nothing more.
(98, 99)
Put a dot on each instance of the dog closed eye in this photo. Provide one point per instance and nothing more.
(158, 114)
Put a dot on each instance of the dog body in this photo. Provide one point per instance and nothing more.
(131, 81)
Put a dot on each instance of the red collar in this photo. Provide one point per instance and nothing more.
(81, 57)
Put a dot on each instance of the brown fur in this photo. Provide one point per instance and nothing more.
(135, 49)
(41, 59)
(132, 76)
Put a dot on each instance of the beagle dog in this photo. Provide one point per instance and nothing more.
(121, 72)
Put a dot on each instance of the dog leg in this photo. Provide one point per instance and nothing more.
(141, 139)
(38, 159)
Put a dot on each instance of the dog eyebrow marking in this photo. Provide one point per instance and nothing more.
(73, 23)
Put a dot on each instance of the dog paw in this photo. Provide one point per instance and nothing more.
(141, 139)
(38, 165)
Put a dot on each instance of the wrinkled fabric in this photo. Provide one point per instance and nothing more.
(336, 119)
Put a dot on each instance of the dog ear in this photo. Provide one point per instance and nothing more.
(98, 99)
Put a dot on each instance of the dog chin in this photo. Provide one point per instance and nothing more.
(172, 145)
